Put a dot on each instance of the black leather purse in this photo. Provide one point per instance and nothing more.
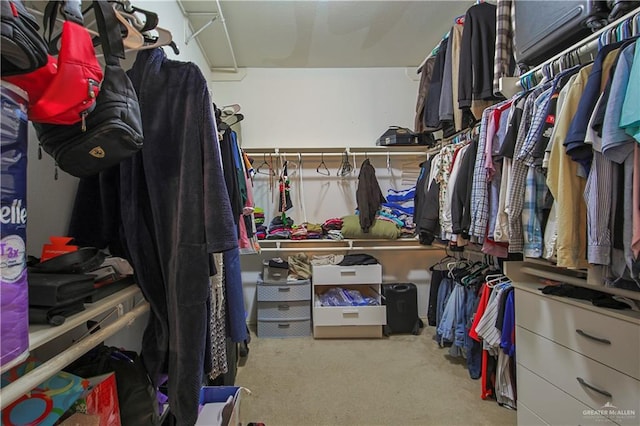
(113, 130)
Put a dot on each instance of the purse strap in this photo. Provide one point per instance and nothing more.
(71, 11)
(109, 30)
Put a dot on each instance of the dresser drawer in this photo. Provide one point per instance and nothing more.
(549, 405)
(358, 274)
(576, 374)
(349, 315)
(289, 310)
(526, 417)
(610, 340)
(283, 292)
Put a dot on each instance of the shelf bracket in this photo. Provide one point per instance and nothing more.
(189, 38)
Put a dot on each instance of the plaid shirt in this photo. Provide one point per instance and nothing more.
(540, 109)
(535, 190)
(519, 173)
(479, 190)
(504, 43)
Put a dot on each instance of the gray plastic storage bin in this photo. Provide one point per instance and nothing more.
(276, 328)
(290, 290)
(293, 310)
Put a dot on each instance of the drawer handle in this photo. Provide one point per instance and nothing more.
(347, 272)
(283, 307)
(597, 339)
(353, 312)
(284, 325)
(593, 388)
(284, 289)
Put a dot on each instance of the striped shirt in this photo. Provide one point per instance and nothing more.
(486, 328)
(598, 196)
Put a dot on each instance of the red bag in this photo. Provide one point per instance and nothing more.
(65, 90)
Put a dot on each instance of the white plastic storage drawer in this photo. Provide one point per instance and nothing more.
(357, 274)
(284, 328)
(293, 310)
(283, 292)
(349, 315)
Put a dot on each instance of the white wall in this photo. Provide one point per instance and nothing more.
(286, 107)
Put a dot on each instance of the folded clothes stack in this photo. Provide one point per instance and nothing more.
(280, 228)
(333, 224)
(399, 209)
(261, 229)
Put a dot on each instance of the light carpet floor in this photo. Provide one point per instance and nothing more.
(400, 380)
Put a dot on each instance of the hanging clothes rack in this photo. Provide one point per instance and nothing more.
(588, 46)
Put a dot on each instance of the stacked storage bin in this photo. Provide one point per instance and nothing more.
(284, 306)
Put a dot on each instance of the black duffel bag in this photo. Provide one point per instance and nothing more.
(113, 130)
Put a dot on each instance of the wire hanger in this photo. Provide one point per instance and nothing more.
(322, 167)
(345, 167)
(265, 163)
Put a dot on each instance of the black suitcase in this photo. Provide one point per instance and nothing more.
(544, 28)
(401, 300)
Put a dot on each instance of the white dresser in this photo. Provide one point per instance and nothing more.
(577, 364)
(348, 321)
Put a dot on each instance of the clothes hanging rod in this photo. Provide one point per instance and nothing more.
(590, 42)
(350, 248)
(372, 153)
(45, 371)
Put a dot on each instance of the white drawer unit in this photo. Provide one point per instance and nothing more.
(348, 321)
(357, 274)
(577, 364)
(284, 308)
(547, 404)
(592, 383)
(601, 337)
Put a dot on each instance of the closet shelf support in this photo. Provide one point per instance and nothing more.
(13, 391)
(189, 38)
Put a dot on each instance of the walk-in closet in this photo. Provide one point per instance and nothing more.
(320, 212)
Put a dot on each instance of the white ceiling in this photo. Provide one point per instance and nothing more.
(323, 33)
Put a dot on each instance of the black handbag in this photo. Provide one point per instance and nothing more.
(113, 130)
(23, 48)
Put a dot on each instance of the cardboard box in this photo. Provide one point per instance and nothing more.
(79, 419)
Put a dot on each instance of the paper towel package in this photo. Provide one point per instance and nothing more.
(14, 304)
